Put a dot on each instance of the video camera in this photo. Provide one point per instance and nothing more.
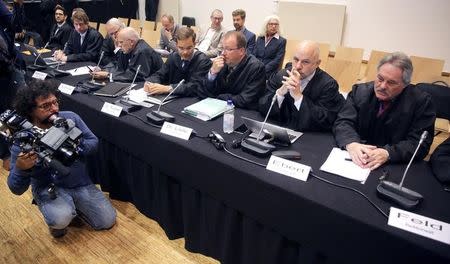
(57, 146)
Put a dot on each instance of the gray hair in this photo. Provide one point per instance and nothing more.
(266, 22)
(130, 33)
(401, 61)
(116, 22)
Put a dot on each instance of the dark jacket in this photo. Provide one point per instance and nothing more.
(171, 73)
(90, 49)
(108, 48)
(251, 40)
(59, 40)
(271, 55)
(397, 130)
(320, 103)
(440, 162)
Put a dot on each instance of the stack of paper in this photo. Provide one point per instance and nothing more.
(206, 109)
(339, 163)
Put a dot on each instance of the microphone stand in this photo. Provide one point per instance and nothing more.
(126, 104)
(36, 67)
(396, 192)
(158, 117)
(256, 146)
(98, 63)
(132, 83)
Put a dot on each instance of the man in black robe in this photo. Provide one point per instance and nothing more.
(110, 48)
(135, 52)
(235, 75)
(187, 63)
(308, 99)
(84, 44)
(440, 162)
(60, 31)
(383, 120)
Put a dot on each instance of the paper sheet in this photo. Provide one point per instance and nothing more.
(336, 163)
(79, 71)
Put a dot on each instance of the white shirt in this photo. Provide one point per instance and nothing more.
(82, 38)
(303, 84)
(203, 46)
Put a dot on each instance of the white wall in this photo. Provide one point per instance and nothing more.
(419, 28)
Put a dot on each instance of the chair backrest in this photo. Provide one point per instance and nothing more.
(124, 20)
(102, 29)
(291, 44)
(440, 95)
(426, 69)
(349, 54)
(93, 25)
(136, 24)
(324, 54)
(345, 72)
(151, 37)
(371, 70)
(158, 26)
(149, 25)
(188, 21)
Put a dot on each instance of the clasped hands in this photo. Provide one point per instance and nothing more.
(367, 156)
(291, 84)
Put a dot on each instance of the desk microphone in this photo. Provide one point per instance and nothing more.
(98, 63)
(158, 117)
(126, 104)
(401, 195)
(39, 54)
(132, 83)
(256, 146)
(36, 67)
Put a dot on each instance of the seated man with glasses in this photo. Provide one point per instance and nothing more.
(188, 64)
(209, 39)
(235, 75)
(135, 52)
(110, 46)
(73, 194)
(60, 31)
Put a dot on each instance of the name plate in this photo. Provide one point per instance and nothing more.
(288, 168)
(39, 75)
(176, 130)
(111, 109)
(420, 225)
(66, 89)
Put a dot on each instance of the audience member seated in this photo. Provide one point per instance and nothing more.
(238, 23)
(308, 99)
(440, 162)
(135, 52)
(235, 75)
(169, 30)
(110, 48)
(382, 121)
(186, 63)
(60, 31)
(270, 46)
(209, 38)
(84, 44)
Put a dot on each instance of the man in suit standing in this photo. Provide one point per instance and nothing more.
(238, 23)
(60, 32)
(84, 44)
(209, 39)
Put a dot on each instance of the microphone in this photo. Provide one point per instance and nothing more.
(98, 63)
(396, 192)
(127, 105)
(39, 54)
(158, 117)
(132, 83)
(256, 146)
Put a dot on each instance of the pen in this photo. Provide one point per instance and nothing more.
(348, 159)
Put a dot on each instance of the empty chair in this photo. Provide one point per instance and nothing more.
(440, 95)
(158, 26)
(345, 72)
(148, 25)
(426, 69)
(136, 24)
(371, 70)
(124, 20)
(291, 44)
(151, 37)
(93, 25)
(349, 54)
(102, 30)
(188, 21)
(324, 53)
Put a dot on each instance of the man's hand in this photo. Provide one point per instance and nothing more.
(376, 158)
(26, 161)
(168, 34)
(358, 153)
(217, 64)
(100, 75)
(60, 56)
(156, 88)
(292, 83)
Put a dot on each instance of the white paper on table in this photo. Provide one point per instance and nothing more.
(138, 95)
(336, 163)
(79, 71)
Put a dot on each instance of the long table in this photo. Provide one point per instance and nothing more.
(239, 212)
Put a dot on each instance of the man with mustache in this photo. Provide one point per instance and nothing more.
(383, 120)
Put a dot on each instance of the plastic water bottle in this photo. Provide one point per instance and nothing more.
(228, 118)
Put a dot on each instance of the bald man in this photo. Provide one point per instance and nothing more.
(307, 98)
(110, 48)
(135, 52)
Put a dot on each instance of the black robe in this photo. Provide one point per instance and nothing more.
(243, 86)
(108, 48)
(397, 130)
(440, 162)
(58, 40)
(90, 49)
(127, 64)
(320, 104)
(171, 73)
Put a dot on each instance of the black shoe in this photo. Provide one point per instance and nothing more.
(57, 232)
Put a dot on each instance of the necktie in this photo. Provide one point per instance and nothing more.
(384, 105)
(81, 39)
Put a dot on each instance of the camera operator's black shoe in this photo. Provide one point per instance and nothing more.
(57, 232)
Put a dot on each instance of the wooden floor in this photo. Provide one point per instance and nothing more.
(134, 239)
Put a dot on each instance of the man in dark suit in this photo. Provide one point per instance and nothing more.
(186, 63)
(60, 31)
(382, 121)
(135, 52)
(110, 47)
(84, 44)
(308, 99)
(238, 23)
(235, 75)
(270, 46)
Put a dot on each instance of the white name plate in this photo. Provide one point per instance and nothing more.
(420, 225)
(66, 89)
(39, 75)
(111, 109)
(288, 168)
(176, 130)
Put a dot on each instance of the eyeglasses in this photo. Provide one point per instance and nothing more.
(229, 50)
(273, 24)
(217, 18)
(47, 106)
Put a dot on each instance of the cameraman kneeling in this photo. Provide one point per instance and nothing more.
(75, 193)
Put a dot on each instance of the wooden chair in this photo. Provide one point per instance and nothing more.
(93, 25)
(148, 25)
(124, 20)
(345, 72)
(349, 54)
(151, 37)
(324, 54)
(102, 30)
(291, 44)
(158, 26)
(426, 69)
(136, 24)
(371, 69)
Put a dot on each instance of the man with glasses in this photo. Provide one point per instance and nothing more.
(135, 52)
(60, 32)
(308, 99)
(187, 63)
(73, 194)
(382, 121)
(209, 38)
(110, 46)
(270, 46)
(235, 75)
